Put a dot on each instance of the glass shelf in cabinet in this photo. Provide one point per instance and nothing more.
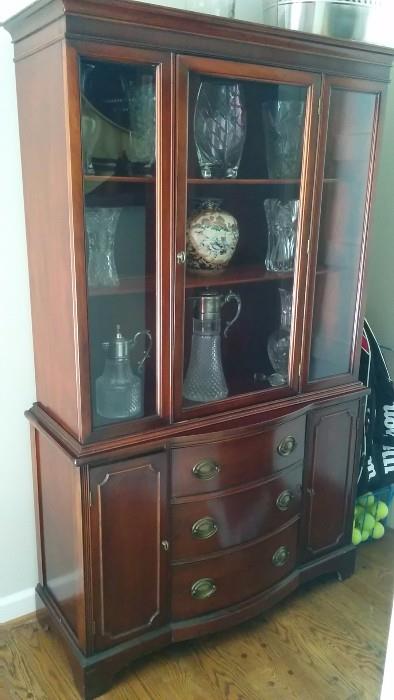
(139, 179)
(245, 274)
(127, 285)
(241, 181)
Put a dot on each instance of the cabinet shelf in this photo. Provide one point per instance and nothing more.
(241, 181)
(246, 274)
(127, 285)
(136, 179)
(236, 275)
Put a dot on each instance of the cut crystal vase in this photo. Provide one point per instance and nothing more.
(283, 126)
(279, 341)
(282, 222)
(101, 223)
(219, 128)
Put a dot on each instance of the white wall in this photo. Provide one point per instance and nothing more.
(18, 569)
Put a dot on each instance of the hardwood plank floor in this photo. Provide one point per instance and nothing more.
(325, 642)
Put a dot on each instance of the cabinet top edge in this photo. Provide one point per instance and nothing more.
(43, 12)
(171, 435)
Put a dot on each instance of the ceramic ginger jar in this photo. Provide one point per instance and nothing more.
(211, 237)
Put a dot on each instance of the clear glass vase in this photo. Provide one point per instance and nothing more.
(222, 8)
(283, 127)
(101, 224)
(278, 346)
(140, 97)
(282, 222)
(219, 128)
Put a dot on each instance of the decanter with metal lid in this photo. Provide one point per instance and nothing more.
(119, 391)
(204, 380)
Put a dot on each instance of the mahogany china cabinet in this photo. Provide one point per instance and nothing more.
(197, 194)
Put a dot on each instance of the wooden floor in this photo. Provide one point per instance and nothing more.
(325, 642)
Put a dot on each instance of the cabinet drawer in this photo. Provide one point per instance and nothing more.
(219, 581)
(204, 525)
(217, 465)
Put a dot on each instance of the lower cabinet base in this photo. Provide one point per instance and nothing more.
(95, 674)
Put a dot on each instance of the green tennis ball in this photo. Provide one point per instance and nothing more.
(378, 531)
(380, 510)
(368, 522)
(359, 510)
(356, 536)
(367, 499)
(365, 535)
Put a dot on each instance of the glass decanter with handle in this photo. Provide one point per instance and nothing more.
(204, 380)
(119, 391)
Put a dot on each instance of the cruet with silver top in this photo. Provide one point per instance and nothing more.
(119, 391)
(204, 380)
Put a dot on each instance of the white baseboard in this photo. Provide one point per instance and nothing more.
(17, 605)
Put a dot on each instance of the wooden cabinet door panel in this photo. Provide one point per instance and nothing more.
(129, 522)
(329, 475)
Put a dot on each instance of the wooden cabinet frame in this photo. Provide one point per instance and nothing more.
(96, 490)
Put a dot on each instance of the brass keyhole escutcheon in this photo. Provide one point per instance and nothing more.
(284, 499)
(203, 588)
(281, 556)
(204, 528)
(206, 469)
(287, 446)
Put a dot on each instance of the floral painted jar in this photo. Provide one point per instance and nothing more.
(211, 237)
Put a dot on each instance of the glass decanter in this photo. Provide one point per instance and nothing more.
(279, 341)
(101, 224)
(283, 126)
(282, 222)
(140, 97)
(221, 8)
(119, 392)
(219, 128)
(204, 380)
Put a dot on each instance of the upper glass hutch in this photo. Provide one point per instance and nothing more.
(268, 234)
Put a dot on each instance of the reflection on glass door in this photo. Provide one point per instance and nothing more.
(245, 148)
(342, 223)
(118, 130)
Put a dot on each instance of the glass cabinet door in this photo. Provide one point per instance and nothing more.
(121, 168)
(242, 138)
(349, 149)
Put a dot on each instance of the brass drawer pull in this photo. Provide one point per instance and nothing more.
(206, 469)
(287, 446)
(284, 499)
(281, 556)
(203, 588)
(204, 528)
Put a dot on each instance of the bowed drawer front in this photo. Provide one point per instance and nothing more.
(201, 525)
(218, 465)
(218, 581)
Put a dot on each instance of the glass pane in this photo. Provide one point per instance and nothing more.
(118, 115)
(349, 140)
(244, 165)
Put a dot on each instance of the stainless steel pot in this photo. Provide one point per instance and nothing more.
(359, 20)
